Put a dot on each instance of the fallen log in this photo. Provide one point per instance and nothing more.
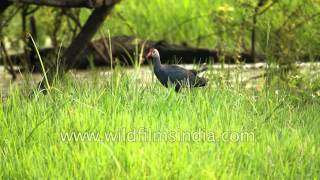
(126, 50)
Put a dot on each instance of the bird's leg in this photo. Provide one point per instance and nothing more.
(177, 87)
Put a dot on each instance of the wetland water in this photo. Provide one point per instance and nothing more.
(144, 74)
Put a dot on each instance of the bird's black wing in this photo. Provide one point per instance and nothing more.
(180, 75)
(177, 73)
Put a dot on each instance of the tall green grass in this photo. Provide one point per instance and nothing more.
(285, 128)
(275, 129)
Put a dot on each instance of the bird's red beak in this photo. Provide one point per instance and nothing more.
(149, 53)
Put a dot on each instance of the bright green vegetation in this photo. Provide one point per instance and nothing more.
(275, 131)
(271, 131)
(220, 23)
(287, 29)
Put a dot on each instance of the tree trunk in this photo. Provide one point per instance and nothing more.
(80, 43)
(253, 34)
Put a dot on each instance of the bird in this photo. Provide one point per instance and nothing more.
(175, 75)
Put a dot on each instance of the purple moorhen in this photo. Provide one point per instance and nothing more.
(173, 74)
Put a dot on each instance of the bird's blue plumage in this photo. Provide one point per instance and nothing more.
(173, 74)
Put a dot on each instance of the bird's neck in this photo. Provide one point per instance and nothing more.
(156, 63)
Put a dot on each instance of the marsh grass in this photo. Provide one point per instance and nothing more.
(283, 122)
(285, 128)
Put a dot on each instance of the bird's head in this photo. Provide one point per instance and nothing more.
(153, 53)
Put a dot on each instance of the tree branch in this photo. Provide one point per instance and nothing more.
(7, 59)
(4, 6)
(83, 39)
(67, 3)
